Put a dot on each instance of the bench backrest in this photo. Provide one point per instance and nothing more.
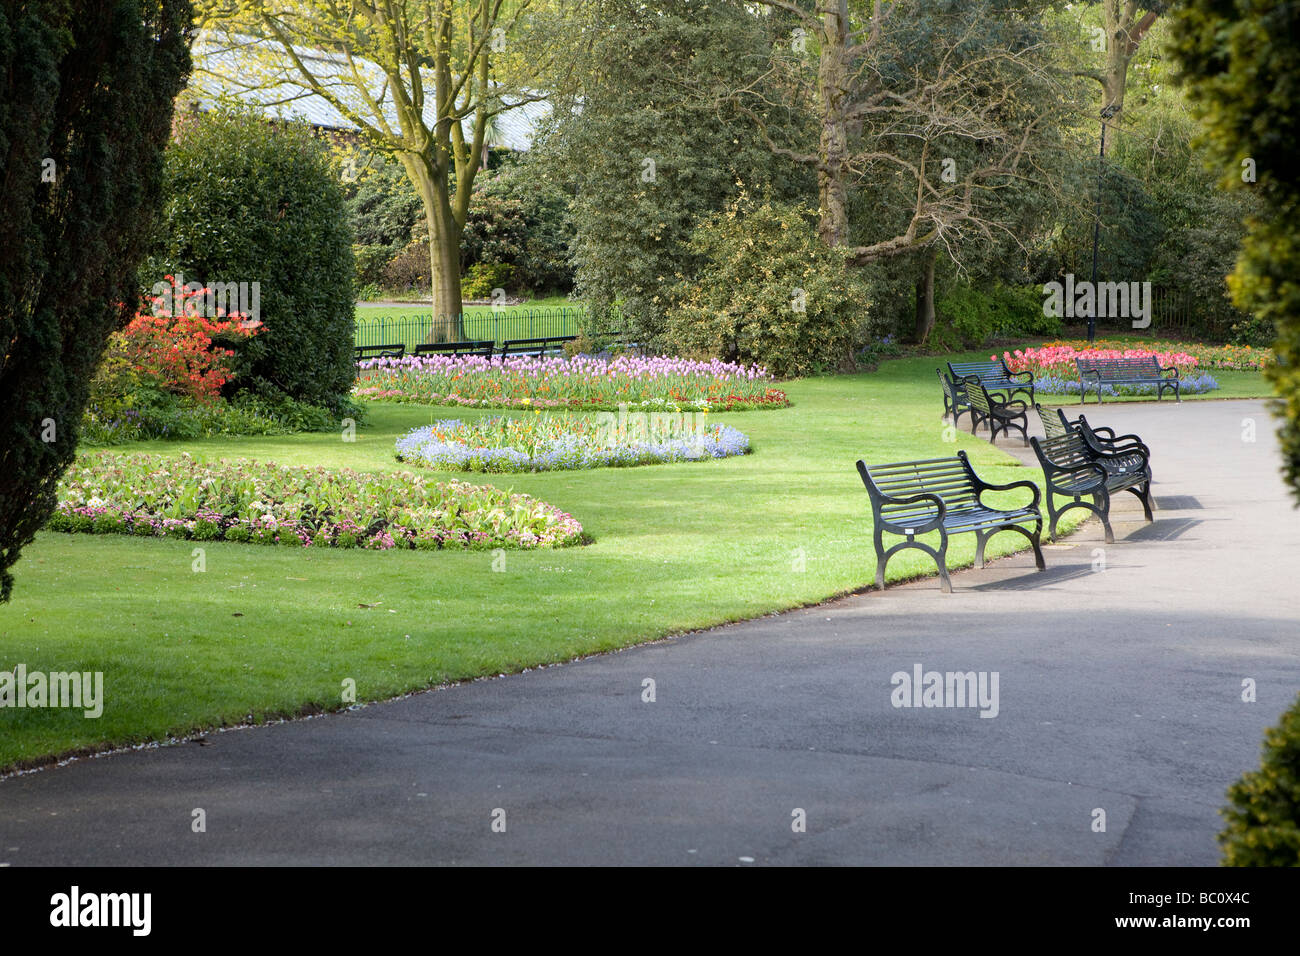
(397, 350)
(534, 345)
(1118, 367)
(979, 396)
(950, 478)
(1064, 451)
(454, 348)
(984, 371)
(956, 389)
(1054, 421)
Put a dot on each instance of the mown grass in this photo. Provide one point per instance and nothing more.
(266, 631)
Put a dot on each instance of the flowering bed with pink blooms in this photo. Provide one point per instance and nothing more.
(580, 383)
(1056, 374)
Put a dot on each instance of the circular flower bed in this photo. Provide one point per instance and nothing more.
(581, 383)
(265, 503)
(553, 443)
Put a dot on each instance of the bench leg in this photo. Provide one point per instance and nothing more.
(1036, 540)
(1102, 499)
(881, 560)
(1143, 493)
(941, 559)
(981, 538)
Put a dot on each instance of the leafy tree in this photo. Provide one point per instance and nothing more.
(421, 79)
(648, 145)
(1239, 61)
(86, 93)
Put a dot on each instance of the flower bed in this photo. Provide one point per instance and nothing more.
(266, 503)
(554, 443)
(1240, 358)
(580, 384)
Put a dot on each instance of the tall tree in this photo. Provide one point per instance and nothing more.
(409, 74)
(1239, 61)
(86, 92)
(1125, 23)
(933, 111)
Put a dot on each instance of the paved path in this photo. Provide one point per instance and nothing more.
(1118, 690)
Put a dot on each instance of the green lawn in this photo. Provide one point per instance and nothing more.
(270, 630)
(407, 323)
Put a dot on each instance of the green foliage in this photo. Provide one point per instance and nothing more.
(970, 317)
(86, 95)
(383, 205)
(483, 277)
(151, 413)
(1264, 815)
(1239, 61)
(1258, 333)
(652, 141)
(519, 219)
(767, 290)
(369, 262)
(247, 201)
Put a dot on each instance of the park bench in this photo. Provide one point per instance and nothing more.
(541, 346)
(996, 377)
(912, 498)
(455, 348)
(1126, 371)
(954, 396)
(364, 352)
(1056, 424)
(1075, 469)
(998, 415)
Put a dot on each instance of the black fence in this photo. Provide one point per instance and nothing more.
(478, 326)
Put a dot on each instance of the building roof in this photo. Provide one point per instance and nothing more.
(228, 68)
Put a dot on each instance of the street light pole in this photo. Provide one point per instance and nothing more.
(1106, 114)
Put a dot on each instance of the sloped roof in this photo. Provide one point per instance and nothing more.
(222, 71)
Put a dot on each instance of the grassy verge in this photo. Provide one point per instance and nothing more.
(408, 322)
(266, 631)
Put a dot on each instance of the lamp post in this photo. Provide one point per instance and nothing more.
(1106, 113)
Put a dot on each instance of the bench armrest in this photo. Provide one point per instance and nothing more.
(1171, 368)
(1076, 469)
(1028, 380)
(1038, 494)
(919, 528)
(1127, 452)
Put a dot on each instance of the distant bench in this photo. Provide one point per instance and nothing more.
(455, 348)
(540, 346)
(364, 352)
(996, 377)
(1126, 371)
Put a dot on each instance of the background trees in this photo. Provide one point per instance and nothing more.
(421, 79)
(86, 93)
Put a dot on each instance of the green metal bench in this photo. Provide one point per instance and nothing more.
(912, 498)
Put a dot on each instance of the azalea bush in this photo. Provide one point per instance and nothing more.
(163, 377)
(560, 442)
(266, 503)
(580, 383)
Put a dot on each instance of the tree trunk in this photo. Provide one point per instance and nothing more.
(925, 297)
(444, 253)
(832, 79)
(1123, 34)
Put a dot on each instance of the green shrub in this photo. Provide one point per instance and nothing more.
(767, 290)
(369, 262)
(970, 317)
(409, 268)
(519, 218)
(1264, 816)
(248, 201)
(483, 277)
(1257, 332)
